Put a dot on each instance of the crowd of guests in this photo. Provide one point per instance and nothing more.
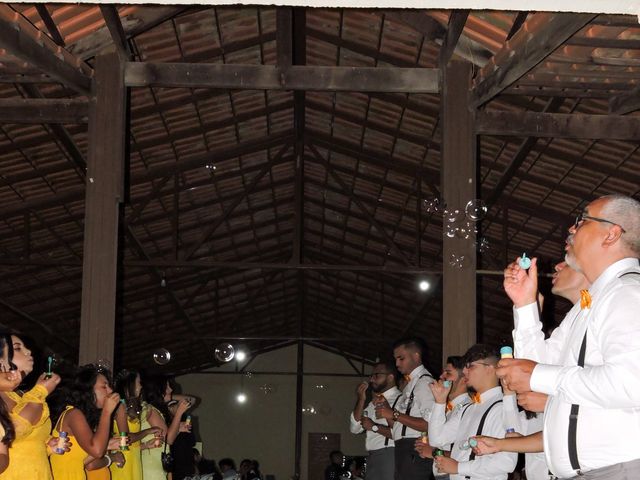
(569, 400)
(84, 424)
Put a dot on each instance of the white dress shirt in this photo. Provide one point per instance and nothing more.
(607, 388)
(422, 401)
(375, 441)
(462, 424)
(535, 464)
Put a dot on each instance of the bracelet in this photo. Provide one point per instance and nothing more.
(109, 461)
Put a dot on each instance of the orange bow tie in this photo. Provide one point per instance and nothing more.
(585, 299)
(407, 378)
(449, 406)
(475, 398)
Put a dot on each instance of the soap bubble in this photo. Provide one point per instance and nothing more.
(224, 352)
(104, 364)
(476, 210)
(266, 388)
(433, 205)
(309, 410)
(456, 261)
(248, 374)
(162, 356)
(464, 231)
(453, 215)
(450, 230)
(483, 245)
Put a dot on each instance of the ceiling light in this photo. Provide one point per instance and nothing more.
(240, 355)
(424, 285)
(241, 398)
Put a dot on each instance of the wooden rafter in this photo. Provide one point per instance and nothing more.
(297, 77)
(114, 24)
(25, 42)
(625, 102)
(540, 36)
(50, 24)
(455, 27)
(65, 110)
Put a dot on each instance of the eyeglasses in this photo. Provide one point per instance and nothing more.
(469, 366)
(581, 217)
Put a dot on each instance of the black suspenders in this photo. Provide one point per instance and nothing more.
(410, 404)
(386, 440)
(573, 416)
(472, 456)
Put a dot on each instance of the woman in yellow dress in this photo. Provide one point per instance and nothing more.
(9, 381)
(87, 421)
(30, 416)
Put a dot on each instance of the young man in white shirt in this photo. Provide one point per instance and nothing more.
(590, 367)
(379, 444)
(482, 417)
(409, 418)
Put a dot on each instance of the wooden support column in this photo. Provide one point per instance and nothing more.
(105, 190)
(458, 187)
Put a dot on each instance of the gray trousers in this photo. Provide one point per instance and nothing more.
(381, 464)
(619, 471)
(409, 465)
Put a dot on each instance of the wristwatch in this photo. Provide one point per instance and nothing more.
(396, 414)
(375, 428)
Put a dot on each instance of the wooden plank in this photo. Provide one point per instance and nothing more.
(269, 77)
(37, 110)
(625, 102)
(114, 24)
(458, 185)
(540, 36)
(558, 125)
(54, 33)
(24, 41)
(517, 23)
(104, 192)
(457, 20)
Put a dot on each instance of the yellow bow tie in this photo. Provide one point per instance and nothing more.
(585, 299)
(407, 378)
(449, 406)
(475, 398)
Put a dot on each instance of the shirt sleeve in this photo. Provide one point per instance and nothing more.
(528, 336)
(423, 400)
(442, 431)
(354, 426)
(491, 466)
(615, 336)
(510, 415)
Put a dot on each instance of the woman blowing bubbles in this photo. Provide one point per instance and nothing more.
(30, 416)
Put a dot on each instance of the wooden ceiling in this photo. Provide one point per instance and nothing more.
(209, 228)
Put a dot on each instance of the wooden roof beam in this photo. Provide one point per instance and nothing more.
(269, 77)
(558, 125)
(54, 33)
(538, 37)
(457, 20)
(625, 102)
(43, 110)
(114, 24)
(30, 45)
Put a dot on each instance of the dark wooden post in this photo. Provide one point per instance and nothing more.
(458, 187)
(105, 190)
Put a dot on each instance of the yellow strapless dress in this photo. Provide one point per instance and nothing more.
(28, 456)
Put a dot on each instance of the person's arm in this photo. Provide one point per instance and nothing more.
(4, 456)
(361, 395)
(157, 422)
(174, 427)
(528, 444)
(34, 399)
(94, 443)
(616, 335)
(368, 423)
(420, 410)
(490, 466)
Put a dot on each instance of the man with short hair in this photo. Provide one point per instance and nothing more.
(591, 367)
(484, 416)
(409, 417)
(379, 444)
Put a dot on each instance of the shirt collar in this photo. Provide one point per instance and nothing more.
(392, 392)
(415, 375)
(612, 272)
(460, 399)
(492, 392)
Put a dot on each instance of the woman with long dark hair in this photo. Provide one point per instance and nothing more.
(9, 380)
(29, 414)
(87, 421)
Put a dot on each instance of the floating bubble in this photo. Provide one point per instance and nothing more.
(465, 230)
(104, 364)
(453, 215)
(433, 205)
(162, 356)
(309, 410)
(449, 230)
(483, 245)
(476, 210)
(248, 374)
(456, 261)
(266, 388)
(321, 386)
(224, 352)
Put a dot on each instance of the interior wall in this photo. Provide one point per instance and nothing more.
(264, 427)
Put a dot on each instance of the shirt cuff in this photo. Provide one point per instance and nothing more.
(526, 317)
(545, 378)
(464, 468)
